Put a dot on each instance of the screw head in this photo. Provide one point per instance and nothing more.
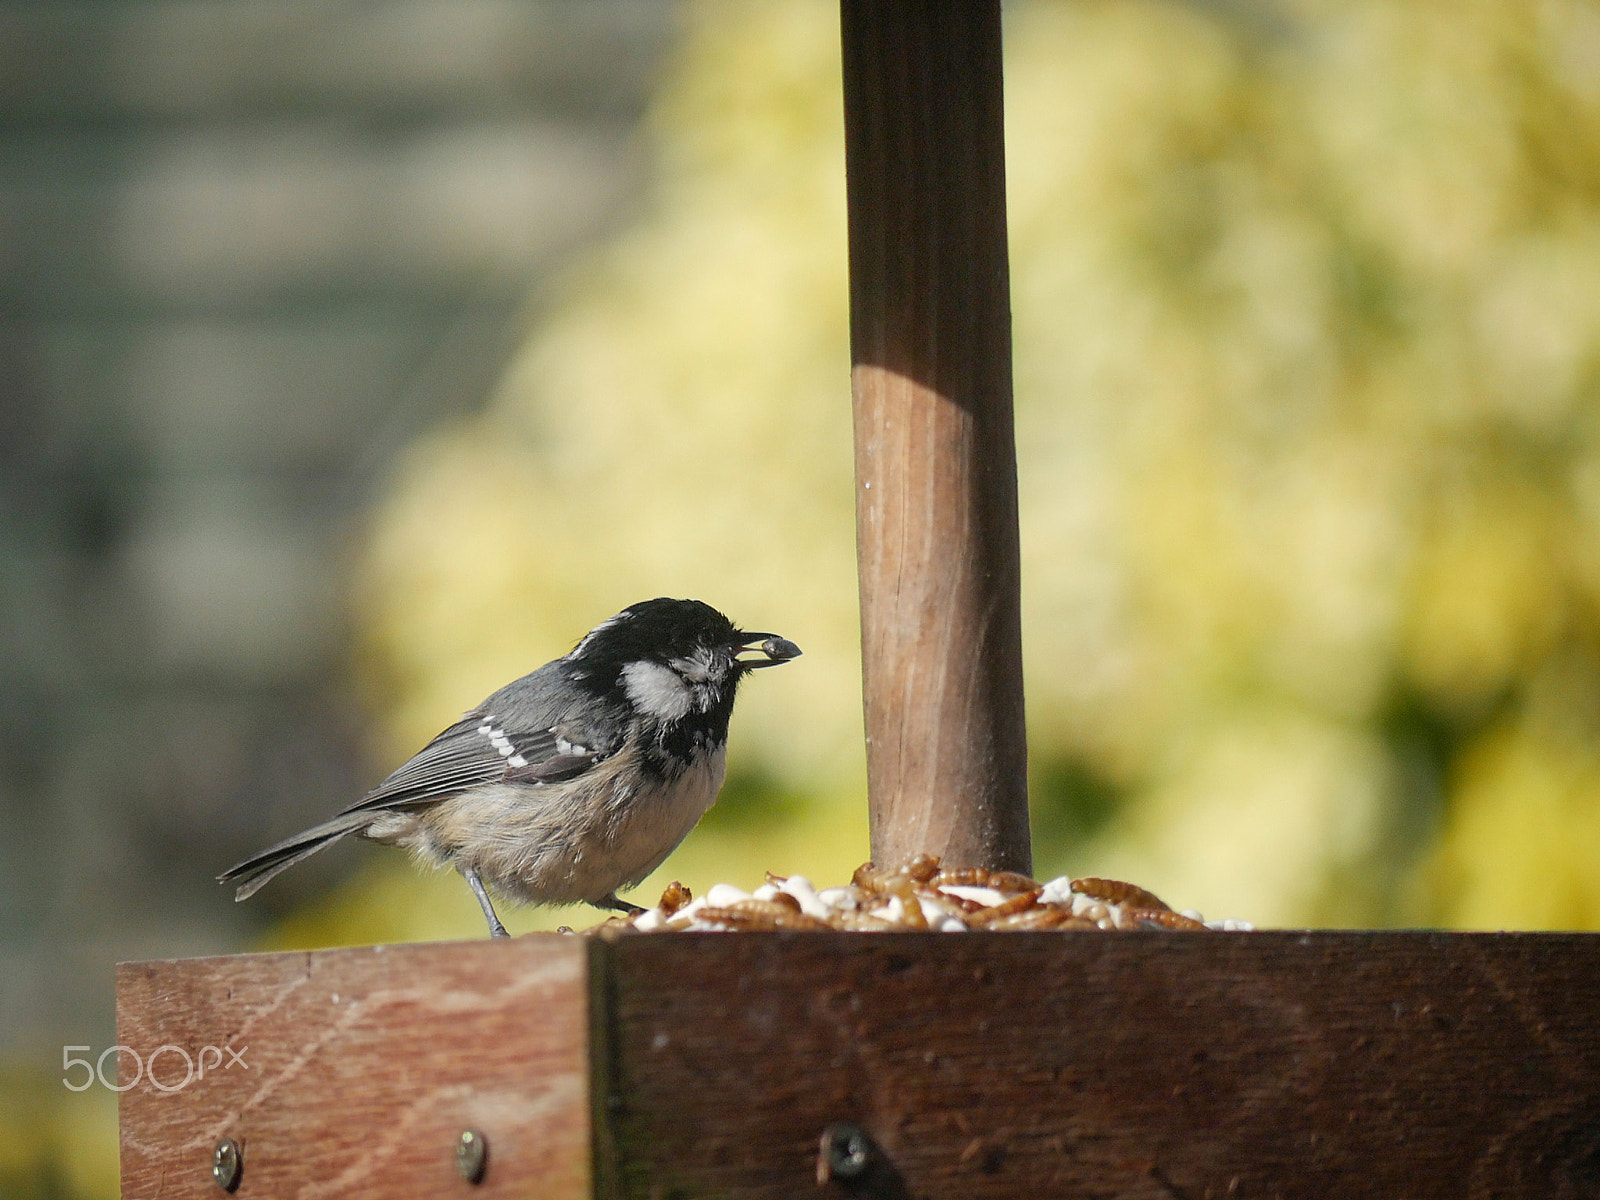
(472, 1155)
(846, 1153)
(227, 1164)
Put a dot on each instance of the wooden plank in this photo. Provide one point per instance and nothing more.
(936, 490)
(1129, 1065)
(1110, 1065)
(362, 1068)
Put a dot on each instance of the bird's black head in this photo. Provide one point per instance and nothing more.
(676, 659)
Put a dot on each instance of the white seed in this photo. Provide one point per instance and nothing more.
(692, 909)
(725, 895)
(893, 912)
(1057, 891)
(811, 904)
(841, 898)
(979, 895)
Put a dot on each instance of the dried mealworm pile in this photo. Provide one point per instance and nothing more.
(922, 895)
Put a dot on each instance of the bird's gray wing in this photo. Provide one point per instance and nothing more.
(477, 750)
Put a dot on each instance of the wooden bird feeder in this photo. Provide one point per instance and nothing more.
(904, 1064)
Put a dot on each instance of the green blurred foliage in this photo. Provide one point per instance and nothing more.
(1307, 328)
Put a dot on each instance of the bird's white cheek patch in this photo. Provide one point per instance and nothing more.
(657, 690)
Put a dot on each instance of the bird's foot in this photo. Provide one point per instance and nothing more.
(609, 900)
(496, 930)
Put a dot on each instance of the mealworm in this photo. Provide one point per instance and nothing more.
(962, 877)
(1164, 917)
(1115, 891)
(1011, 881)
(1016, 904)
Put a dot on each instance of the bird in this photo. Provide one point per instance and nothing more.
(573, 782)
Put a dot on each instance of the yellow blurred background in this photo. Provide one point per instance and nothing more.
(1307, 334)
(1307, 317)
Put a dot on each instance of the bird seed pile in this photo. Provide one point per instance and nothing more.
(921, 896)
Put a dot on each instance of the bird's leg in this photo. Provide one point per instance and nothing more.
(609, 900)
(471, 876)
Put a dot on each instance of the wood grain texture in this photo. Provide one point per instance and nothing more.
(1136, 1065)
(1133, 1065)
(936, 492)
(363, 1068)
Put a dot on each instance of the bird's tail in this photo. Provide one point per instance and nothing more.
(253, 873)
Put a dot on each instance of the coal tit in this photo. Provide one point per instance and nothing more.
(573, 782)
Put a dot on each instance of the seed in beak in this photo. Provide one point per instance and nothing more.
(780, 649)
(777, 650)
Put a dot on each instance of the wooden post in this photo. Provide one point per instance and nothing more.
(936, 491)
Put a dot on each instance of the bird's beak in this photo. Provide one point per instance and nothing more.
(777, 650)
